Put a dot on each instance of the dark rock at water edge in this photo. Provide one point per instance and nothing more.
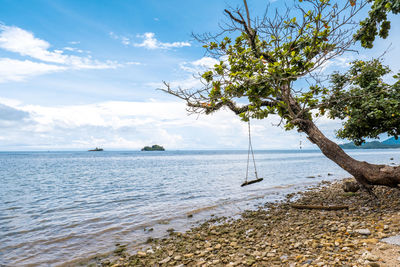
(350, 186)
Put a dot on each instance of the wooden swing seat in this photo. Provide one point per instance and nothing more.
(252, 181)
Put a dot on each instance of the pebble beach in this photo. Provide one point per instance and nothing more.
(277, 234)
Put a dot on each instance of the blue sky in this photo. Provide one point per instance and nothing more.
(78, 74)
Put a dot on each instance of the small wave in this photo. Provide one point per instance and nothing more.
(13, 208)
(203, 209)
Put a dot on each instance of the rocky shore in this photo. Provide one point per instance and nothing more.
(280, 235)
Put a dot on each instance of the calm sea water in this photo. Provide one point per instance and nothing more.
(64, 207)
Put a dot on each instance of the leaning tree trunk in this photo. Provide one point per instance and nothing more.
(365, 173)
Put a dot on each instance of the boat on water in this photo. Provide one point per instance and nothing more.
(96, 149)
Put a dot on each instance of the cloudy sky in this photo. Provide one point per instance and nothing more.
(80, 74)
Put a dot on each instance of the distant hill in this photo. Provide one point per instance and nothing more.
(389, 143)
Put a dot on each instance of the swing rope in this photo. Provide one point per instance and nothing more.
(248, 156)
(248, 163)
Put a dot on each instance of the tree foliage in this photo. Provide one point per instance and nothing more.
(368, 105)
(262, 60)
(377, 23)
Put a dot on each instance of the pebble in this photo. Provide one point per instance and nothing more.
(363, 231)
(282, 236)
(394, 240)
(167, 259)
(368, 256)
(178, 258)
(141, 254)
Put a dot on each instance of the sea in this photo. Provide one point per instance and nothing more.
(67, 208)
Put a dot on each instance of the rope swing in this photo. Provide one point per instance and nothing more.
(248, 163)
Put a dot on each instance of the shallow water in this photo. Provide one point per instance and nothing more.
(61, 207)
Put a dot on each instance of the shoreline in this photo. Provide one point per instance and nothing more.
(278, 235)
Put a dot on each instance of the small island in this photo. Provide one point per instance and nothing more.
(96, 149)
(153, 148)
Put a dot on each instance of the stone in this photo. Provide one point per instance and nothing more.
(370, 241)
(363, 231)
(250, 261)
(369, 256)
(297, 245)
(167, 259)
(394, 240)
(350, 186)
(178, 258)
(141, 254)
(374, 264)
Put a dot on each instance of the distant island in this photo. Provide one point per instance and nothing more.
(153, 148)
(96, 149)
(389, 143)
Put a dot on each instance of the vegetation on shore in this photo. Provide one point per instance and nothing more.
(389, 143)
(279, 235)
(153, 148)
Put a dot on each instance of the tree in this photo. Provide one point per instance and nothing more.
(262, 60)
(377, 23)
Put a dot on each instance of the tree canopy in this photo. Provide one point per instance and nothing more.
(368, 105)
(260, 61)
(277, 64)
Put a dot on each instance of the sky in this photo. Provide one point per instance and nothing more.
(79, 74)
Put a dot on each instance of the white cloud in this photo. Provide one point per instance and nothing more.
(199, 65)
(73, 49)
(339, 63)
(24, 43)
(124, 40)
(19, 70)
(131, 125)
(191, 71)
(149, 41)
